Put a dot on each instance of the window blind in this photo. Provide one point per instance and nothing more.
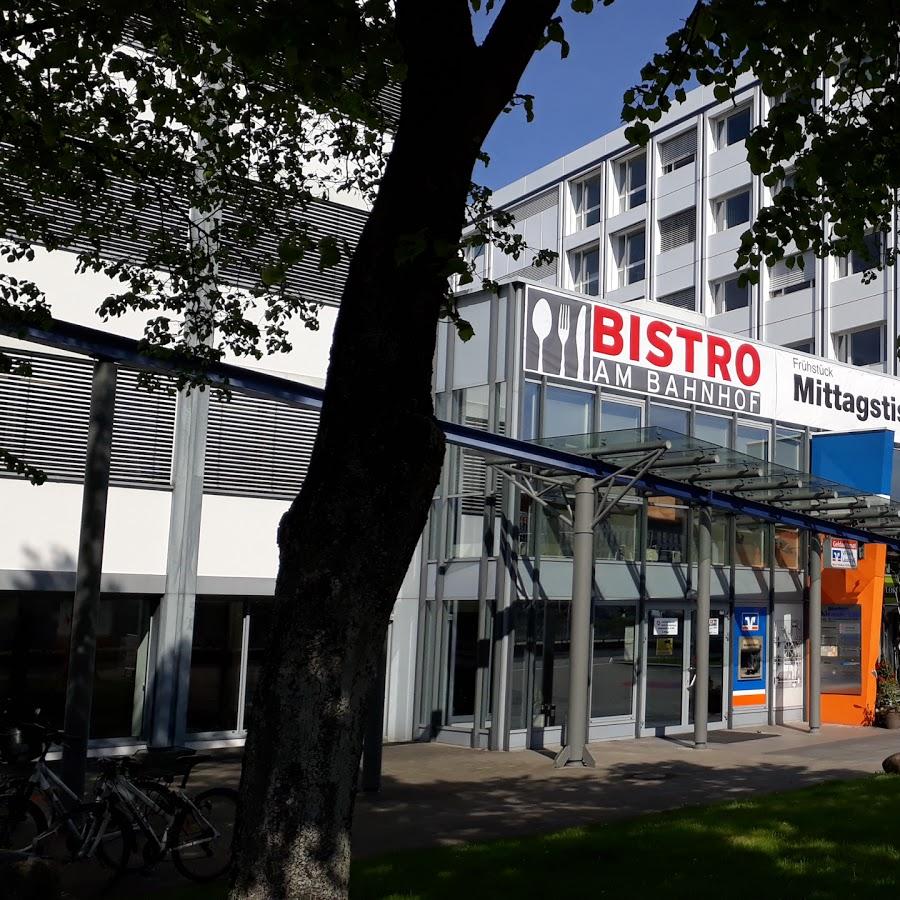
(784, 280)
(678, 230)
(683, 299)
(678, 148)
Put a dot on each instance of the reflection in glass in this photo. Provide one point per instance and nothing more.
(567, 412)
(716, 637)
(666, 530)
(34, 652)
(665, 668)
(753, 441)
(787, 547)
(554, 535)
(750, 543)
(615, 415)
(462, 662)
(261, 614)
(123, 628)
(530, 408)
(519, 675)
(612, 671)
(720, 543)
(669, 417)
(714, 429)
(789, 448)
(215, 664)
(616, 537)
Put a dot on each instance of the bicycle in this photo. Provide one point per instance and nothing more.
(75, 830)
(195, 830)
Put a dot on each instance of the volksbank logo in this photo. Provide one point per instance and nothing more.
(824, 394)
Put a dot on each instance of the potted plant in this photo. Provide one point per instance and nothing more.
(887, 697)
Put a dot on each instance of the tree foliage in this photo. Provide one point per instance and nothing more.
(830, 145)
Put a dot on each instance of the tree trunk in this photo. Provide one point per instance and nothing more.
(347, 539)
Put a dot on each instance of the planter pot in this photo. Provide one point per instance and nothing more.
(890, 718)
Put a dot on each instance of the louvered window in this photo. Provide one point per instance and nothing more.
(257, 447)
(678, 230)
(535, 205)
(783, 280)
(679, 151)
(44, 420)
(682, 299)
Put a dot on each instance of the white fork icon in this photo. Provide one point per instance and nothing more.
(562, 329)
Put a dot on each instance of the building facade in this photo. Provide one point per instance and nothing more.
(478, 644)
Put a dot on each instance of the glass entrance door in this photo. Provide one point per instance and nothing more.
(665, 671)
(716, 629)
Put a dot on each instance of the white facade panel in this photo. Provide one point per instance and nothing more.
(238, 536)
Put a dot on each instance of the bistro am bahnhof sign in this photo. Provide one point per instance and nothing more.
(615, 346)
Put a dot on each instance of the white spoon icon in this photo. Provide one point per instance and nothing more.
(541, 322)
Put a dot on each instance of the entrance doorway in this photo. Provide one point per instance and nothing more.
(670, 674)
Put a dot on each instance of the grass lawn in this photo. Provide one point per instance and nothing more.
(837, 840)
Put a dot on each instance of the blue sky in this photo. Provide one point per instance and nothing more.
(579, 98)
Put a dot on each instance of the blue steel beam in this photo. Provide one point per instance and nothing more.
(101, 345)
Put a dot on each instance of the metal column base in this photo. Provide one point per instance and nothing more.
(567, 757)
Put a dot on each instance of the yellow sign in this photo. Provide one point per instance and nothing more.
(665, 646)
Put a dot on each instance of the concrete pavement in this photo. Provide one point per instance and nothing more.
(434, 794)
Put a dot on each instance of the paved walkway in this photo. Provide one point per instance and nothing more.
(435, 794)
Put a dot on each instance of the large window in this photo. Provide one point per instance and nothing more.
(567, 412)
(714, 429)
(728, 294)
(586, 271)
(670, 417)
(667, 523)
(632, 180)
(732, 128)
(731, 211)
(752, 440)
(841, 650)
(789, 448)
(616, 415)
(784, 280)
(586, 198)
(35, 630)
(678, 230)
(630, 251)
(616, 537)
(531, 404)
(678, 151)
(862, 261)
(215, 664)
(613, 659)
(861, 348)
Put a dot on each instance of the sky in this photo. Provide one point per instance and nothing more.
(579, 98)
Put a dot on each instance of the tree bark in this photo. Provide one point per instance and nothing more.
(348, 537)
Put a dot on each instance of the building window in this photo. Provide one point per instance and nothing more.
(861, 348)
(732, 128)
(567, 412)
(586, 271)
(630, 251)
(728, 294)
(684, 299)
(678, 152)
(586, 197)
(784, 280)
(802, 347)
(729, 212)
(678, 230)
(858, 261)
(616, 415)
(631, 178)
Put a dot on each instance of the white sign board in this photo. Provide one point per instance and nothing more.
(714, 626)
(841, 553)
(665, 627)
(590, 342)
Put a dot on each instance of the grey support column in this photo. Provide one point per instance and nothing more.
(574, 751)
(701, 638)
(175, 618)
(815, 632)
(83, 642)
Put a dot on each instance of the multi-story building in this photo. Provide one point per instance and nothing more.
(478, 647)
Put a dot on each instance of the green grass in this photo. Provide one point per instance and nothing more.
(837, 840)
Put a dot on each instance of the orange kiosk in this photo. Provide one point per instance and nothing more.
(851, 638)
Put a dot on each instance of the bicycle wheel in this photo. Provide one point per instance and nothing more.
(117, 840)
(201, 849)
(160, 817)
(21, 822)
